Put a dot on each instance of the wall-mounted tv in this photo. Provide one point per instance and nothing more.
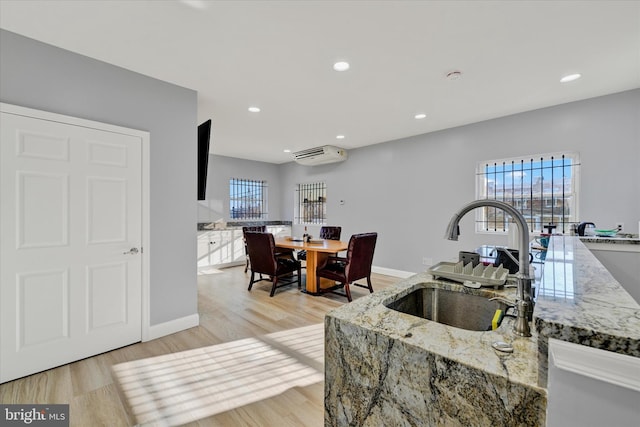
(204, 135)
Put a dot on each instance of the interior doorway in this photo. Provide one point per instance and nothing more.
(73, 270)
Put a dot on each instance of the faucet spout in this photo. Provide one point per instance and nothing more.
(524, 298)
(453, 230)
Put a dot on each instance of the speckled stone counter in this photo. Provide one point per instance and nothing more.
(612, 240)
(206, 226)
(383, 367)
(579, 301)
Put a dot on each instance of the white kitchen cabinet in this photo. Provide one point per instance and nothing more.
(589, 387)
(220, 248)
(225, 248)
(203, 248)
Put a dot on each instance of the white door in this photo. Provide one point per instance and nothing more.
(71, 227)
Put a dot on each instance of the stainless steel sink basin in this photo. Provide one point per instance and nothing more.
(465, 311)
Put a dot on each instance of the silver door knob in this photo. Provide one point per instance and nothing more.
(131, 251)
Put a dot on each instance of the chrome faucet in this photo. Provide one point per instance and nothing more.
(524, 300)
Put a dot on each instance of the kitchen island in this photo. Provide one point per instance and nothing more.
(384, 367)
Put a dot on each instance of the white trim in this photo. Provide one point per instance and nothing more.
(61, 118)
(172, 326)
(146, 140)
(614, 368)
(391, 272)
(223, 265)
(612, 247)
(146, 236)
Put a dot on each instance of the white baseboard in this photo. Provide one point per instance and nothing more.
(173, 326)
(391, 272)
(614, 368)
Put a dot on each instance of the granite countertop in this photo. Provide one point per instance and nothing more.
(392, 368)
(628, 239)
(578, 301)
(470, 348)
(233, 225)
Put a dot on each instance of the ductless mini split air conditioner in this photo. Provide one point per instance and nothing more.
(320, 155)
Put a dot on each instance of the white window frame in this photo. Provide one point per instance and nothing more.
(482, 193)
(313, 188)
(263, 213)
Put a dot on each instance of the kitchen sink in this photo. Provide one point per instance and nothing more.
(457, 309)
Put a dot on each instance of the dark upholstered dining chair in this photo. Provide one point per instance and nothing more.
(356, 265)
(264, 260)
(327, 233)
(330, 232)
(258, 228)
(281, 252)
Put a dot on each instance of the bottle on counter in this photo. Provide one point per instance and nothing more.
(305, 235)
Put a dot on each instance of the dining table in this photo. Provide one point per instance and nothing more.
(317, 253)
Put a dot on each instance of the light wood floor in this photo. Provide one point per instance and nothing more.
(228, 313)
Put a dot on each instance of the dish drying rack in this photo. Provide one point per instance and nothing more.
(470, 276)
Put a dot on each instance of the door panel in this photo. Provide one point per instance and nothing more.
(42, 221)
(42, 146)
(72, 209)
(107, 154)
(107, 295)
(107, 200)
(43, 295)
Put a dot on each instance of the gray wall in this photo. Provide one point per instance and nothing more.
(408, 189)
(40, 76)
(221, 169)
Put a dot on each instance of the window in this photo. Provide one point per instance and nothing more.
(247, 198)
(543, 188)
(312, 203)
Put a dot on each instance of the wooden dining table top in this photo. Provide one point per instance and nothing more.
(329, 246)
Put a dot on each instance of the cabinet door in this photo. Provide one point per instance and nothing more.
(203, 249)
(591, 387)
(217, 247)
(238, 253)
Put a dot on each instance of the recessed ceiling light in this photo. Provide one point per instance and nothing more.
(570, 78)
(286, 150)
(339, 136)
(341, 66)
(254, 109)
(420, 116)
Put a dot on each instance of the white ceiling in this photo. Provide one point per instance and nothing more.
(278, 55)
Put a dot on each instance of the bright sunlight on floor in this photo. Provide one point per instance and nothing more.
(182, 387)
